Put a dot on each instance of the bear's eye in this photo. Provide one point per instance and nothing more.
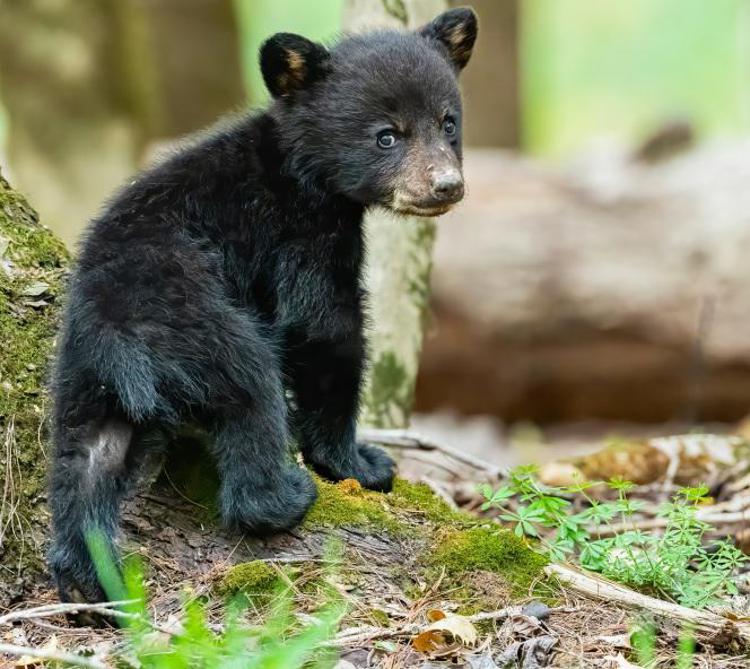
(449, 126)
(386, 139)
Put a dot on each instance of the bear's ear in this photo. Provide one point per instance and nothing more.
(290, 63)
(456, 30)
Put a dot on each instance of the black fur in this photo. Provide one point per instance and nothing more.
(230, 273)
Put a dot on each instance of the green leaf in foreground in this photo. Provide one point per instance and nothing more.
(281, 642)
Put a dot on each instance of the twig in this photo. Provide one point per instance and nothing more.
(48, 610)
(408, 439)
(500, 614)
(49, 654)
(740, 484)
(717, 629)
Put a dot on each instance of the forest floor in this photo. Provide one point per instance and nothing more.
(511, 609)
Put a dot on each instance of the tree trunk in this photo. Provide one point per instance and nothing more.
(399, 260)
(195, 50)
(89, 84)
(491, 81)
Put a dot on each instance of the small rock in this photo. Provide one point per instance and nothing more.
(537, 609)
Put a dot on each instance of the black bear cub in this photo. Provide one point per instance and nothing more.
(228, 277)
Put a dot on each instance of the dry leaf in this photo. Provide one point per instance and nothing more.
(533, 653)
(536, 609)
(618, 640)
(442, 630)
(483, 661)
(525, 626)
(428, 642)
(684, 459)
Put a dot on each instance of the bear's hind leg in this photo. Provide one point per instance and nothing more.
(88, 482)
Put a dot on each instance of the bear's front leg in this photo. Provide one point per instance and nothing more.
(326, 377)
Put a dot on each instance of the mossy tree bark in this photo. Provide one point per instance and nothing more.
(32, 264)
(399, 260)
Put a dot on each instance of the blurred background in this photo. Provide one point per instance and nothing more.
(596, 280)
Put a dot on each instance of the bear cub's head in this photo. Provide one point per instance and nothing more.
(377, 117)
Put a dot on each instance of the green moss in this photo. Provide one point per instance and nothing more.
(32, 264)
(379, 617)
(461, 552)
(347, 504)
(419, 498)
(256, 580)
(25, 242)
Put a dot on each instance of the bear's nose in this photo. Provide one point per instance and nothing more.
(448, 186)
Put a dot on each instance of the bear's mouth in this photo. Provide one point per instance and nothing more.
(423, 202)
(417, 210)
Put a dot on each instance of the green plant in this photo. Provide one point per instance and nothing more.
(282, 642)
(643, 641)
(676, 564)
(686, 648)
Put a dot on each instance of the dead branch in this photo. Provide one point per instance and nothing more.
(49, 610)
(714, 629)
(407, 439)
(54, 655)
